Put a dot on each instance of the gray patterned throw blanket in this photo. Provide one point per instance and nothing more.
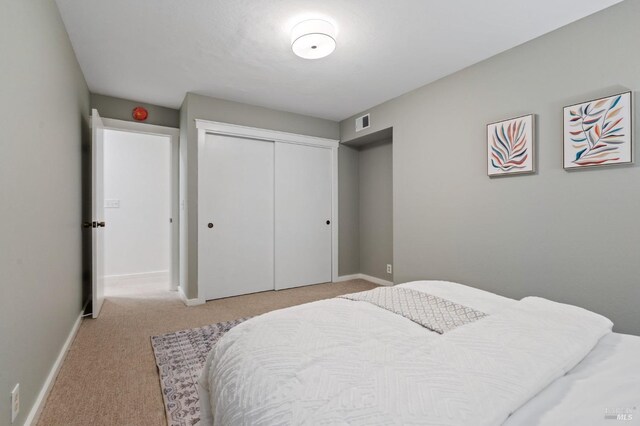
(432, 312)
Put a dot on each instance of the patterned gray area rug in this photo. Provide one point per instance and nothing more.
(180, 358)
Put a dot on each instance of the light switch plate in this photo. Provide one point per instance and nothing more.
(111, 204)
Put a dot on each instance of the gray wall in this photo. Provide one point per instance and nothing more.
(44, 108)
(203, 107)
(121, 109)
(572, 237)
(366, 208)
(348, 211)
(376, 209)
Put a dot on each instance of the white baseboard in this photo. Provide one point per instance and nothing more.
(347, 278)
(364, 277)
(190, 302)
(37, 407)
(139, 275)
(375, 280)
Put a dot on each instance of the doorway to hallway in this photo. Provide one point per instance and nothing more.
(137, 209)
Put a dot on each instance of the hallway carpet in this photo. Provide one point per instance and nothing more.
(109, 376)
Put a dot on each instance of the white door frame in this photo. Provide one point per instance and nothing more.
(174, 137)
(215, 127)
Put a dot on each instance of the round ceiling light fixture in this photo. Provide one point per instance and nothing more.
(313, 39)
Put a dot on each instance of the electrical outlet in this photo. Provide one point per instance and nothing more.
(389, 269)
(15, 402)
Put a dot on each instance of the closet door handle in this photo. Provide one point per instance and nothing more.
(328, 222)
(210, 225)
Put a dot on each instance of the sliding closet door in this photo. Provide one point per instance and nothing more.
(236, 216)
(303, 215)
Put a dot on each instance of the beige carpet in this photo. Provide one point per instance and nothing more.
(109, 376)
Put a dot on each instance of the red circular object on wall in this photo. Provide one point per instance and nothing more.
(140, 113)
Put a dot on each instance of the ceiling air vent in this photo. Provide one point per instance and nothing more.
(363, 123)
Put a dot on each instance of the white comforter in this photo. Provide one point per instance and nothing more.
(343, 362)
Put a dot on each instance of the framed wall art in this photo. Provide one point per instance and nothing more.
(598, 132)
(510, 146)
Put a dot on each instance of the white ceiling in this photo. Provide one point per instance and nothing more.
(157, 50)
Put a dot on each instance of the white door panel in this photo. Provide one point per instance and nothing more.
(303, 211)
(236, 197)
(97, 213)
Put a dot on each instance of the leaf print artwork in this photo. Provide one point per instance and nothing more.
(509, 149)
(510, 146)
(598, 132)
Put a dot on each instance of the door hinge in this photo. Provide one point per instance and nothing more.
(93, 224)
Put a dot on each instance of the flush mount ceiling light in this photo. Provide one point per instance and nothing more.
(313, 39)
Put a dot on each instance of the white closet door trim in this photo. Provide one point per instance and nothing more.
(265, 134)
(137, 127)
(334, 214)
(207, 126)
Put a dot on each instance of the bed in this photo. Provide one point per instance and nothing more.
(344, 361)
